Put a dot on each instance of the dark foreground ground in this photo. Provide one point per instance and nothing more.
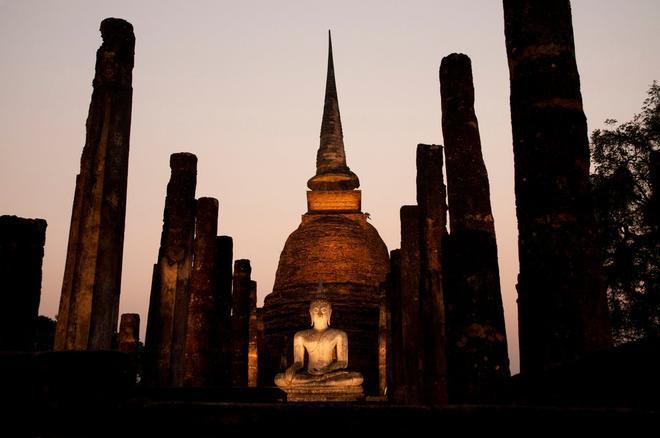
(92, 394)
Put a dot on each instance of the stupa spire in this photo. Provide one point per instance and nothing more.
(332, 173)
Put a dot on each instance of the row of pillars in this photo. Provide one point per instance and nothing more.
(198, 332)
(201, 316)
(445, 317)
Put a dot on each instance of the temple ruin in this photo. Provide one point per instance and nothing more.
(423, 325)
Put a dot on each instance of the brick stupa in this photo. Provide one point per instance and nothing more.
(335, 245)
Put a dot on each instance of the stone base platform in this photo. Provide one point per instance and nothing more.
(324, 393)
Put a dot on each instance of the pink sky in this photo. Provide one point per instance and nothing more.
(240, 84)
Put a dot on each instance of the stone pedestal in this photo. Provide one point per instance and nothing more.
(324, 393)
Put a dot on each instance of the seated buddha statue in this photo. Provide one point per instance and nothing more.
(327, 352)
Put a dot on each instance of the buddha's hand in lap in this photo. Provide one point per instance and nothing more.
(289, 374)
(319, 371)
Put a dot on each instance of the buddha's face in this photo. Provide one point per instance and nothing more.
(320, 312)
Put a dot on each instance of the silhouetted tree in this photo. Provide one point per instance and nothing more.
(627, 189)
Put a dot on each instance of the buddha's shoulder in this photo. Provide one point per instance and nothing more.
(335, 333)
(304, 333)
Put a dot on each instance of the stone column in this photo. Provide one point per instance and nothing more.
(433, 228)
(562, 305)
(21, 255)
(202, 348)
(240, 322)
(478, 357)
(129, 333)
(170, 294)
(411, 326)
(89, 304)
(262, 363)
(253, 357)
(396, 380)
(384, 337)
(223, 280)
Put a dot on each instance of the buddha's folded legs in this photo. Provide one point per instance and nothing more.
(335, 378)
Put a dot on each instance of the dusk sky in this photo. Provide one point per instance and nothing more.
(241, 84)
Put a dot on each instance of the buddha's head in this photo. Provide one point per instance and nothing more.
(320, 311)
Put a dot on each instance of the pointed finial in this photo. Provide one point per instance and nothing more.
(332, 173)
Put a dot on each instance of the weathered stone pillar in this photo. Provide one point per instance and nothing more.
(411, 325)
(384, 346)
(223, 279)
(562, 305)
(21, 255)
(129, 332)
(478, 357)
(433, 228)
(202, 350)
(253, 358)
(396, 378)
(170, 294)
(89, 305)
(240, 322)
(262, 362)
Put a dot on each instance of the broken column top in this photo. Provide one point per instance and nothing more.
(20, 223)
(242, 266)
(115, 57)
(183, 161)
(460, 62)
(116, 29)
(456, 84)
(332, 173)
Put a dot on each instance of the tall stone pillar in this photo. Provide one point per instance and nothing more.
(262, 362)
(240, 322)
(223, 282)
(384, 344)
(396, 378)
(411, 325)
(21, 256)
(129, 332)
(89, 304)
(253, 352)
(202, 348)
(478, 356)
(432, 228)
(170, 294)
(562, 305)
